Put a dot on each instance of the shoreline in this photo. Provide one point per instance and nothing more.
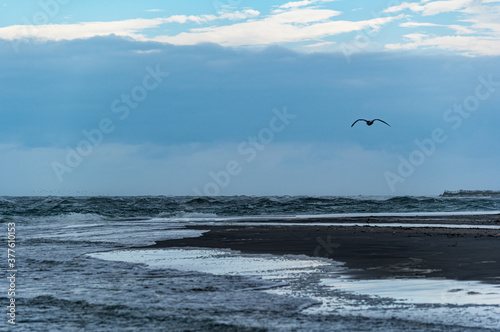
(381, 252)
(467, 217)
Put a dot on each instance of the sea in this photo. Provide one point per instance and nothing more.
(80, 264)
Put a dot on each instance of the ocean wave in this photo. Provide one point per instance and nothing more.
(72, 217)
(200, 200)
(184, 214)
(147, 207)
(4, 200)
(5, 219)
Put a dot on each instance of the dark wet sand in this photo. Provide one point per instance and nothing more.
(373, 252)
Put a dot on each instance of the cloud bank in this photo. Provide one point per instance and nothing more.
(463, 27)
(181, 114)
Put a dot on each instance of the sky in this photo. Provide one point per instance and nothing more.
(235, 97)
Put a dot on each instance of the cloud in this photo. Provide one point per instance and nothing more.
(146, 169)
(303, 3)
(301, 168)
(482, 29)
(295, 4)
(428, 8)
(465, 45)
(303, 23)
(291, 23)
(321, 44)
(484, 18)
(404, 5)
(416, 37)
(132, 28)
(214, 99)
(458, 28)
(52, 93)
(438, 7)
(127, 28)
(284, 27)
(239, 15)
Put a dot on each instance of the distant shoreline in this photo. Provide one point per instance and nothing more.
(470, 193)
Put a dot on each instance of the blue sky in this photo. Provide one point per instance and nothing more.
(248, 97)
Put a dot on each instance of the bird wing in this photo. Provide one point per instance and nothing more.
(358, 120)
(382, 121)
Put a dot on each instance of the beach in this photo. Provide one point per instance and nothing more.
(256, 263)
(373, 252)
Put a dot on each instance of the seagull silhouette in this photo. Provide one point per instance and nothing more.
(370, 122)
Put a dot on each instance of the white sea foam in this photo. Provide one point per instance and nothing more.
(186, 216)
(217, 261)
(72, 217)
(438, 291)
(123, 232)
(455, 303)
(400, 225)
(401, 214)
(210, 217)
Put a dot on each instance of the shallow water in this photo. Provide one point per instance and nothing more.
(448, 302)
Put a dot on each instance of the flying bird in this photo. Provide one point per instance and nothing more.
(370, 122)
